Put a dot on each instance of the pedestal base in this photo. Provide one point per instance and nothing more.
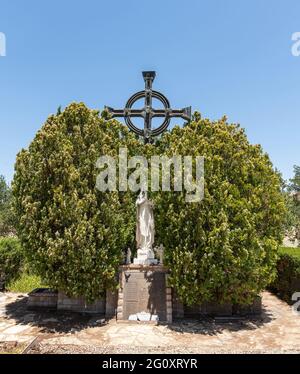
(145, 256)
(147, 261)
(144, 293)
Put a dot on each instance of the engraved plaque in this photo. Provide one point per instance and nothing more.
(145, 291)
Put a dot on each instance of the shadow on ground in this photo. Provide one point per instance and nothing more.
(51, 321)
(212, 326)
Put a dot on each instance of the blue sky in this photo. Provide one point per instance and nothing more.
(222, 57)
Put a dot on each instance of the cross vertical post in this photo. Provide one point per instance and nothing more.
(149, 77)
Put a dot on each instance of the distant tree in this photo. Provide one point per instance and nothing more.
(6, 213)
(293, 205)
(4, 192)
(294, 184)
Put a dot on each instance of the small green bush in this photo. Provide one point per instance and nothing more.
(288, 274)
(295, 252)
(11, 259)
(26, 283)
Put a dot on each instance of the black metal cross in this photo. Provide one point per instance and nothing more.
(148, 112)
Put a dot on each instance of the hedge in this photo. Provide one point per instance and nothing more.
(288, 274)
(11, 259)
(223, 248)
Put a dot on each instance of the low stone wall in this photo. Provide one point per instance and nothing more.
(79, 304)
(42, 298)
(253, 309)
(141, 289)
(111, 304)
(50, 299)
(214, 309)
(2, 282)
(207, 309)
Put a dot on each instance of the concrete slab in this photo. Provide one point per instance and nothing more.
(17, 329)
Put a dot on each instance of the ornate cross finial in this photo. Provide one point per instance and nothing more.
(148, 112)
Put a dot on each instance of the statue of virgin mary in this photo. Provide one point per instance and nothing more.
(144, 230)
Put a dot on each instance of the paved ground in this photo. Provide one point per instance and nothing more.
(276, 331)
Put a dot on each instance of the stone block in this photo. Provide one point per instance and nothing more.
(215, 309)
(42, 298)
(252, 309)
(177, 307)
(79, 304)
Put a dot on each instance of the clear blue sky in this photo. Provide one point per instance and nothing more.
(228, 57)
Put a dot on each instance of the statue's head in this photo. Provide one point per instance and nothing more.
(143, 193)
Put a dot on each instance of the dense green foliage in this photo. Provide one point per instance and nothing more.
(224, 247)
(6, 213)
(288, 273)
(72, 233)
(11, 259)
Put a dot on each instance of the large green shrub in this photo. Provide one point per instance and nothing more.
(287, 280)
(223, 248)
(73, 234)
(11, 259)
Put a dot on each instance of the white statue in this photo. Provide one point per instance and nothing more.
(128, 256)
(144, 230)
(160, 252)
(145, 222)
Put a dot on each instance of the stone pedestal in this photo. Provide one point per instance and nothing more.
(42, 298)
(143, 289)
(145, 257)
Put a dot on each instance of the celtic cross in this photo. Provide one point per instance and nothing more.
(148, 112)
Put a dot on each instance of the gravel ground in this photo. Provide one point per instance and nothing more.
(75, 349)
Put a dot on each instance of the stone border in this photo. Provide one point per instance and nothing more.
(214, 309)
(42, 298)
(79, 304)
